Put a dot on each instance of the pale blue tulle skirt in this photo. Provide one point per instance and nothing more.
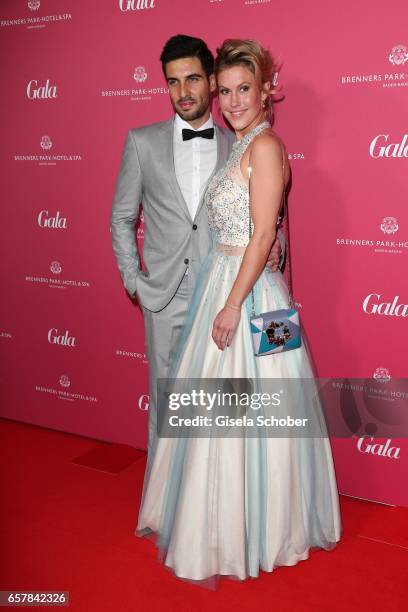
(223, 506)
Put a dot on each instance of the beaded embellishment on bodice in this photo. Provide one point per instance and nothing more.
(227, 197)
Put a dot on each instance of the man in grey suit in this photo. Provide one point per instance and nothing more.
(166, 167)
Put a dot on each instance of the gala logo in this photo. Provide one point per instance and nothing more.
(380, 148)
(35, 92)
(135, 5)
(372, 305)
(382, 450)
(143, 402)
(54, 337)
(57, 222)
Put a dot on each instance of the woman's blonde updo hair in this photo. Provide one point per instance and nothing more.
(251, 54)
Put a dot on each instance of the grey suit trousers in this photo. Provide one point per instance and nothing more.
(162, 331)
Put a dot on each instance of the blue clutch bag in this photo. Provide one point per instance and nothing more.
(276, 331)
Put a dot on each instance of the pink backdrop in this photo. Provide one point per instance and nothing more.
(78, 76)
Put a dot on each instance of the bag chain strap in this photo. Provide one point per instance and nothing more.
(285, 215)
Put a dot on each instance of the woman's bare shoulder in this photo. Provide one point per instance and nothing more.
(269, 145)
(266, 150)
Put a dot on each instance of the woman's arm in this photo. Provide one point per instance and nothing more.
(266, 188)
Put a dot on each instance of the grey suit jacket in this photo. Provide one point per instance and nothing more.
(172, 240)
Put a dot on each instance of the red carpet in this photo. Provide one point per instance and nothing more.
(70, 527)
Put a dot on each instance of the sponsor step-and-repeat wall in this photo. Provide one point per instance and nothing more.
(76, 76)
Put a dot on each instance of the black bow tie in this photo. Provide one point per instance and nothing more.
(189, 134)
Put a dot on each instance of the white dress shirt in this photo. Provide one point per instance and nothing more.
(194, 162)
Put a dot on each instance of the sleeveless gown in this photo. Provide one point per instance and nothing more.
(235, 506)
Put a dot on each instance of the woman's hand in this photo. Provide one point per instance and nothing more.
(225, 325)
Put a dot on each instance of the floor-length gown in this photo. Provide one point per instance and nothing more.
(223, 506)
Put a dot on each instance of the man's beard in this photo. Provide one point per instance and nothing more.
(194, 113)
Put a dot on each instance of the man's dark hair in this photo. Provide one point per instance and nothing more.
(180, 46)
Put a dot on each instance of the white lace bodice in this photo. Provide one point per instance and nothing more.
(227, 197)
